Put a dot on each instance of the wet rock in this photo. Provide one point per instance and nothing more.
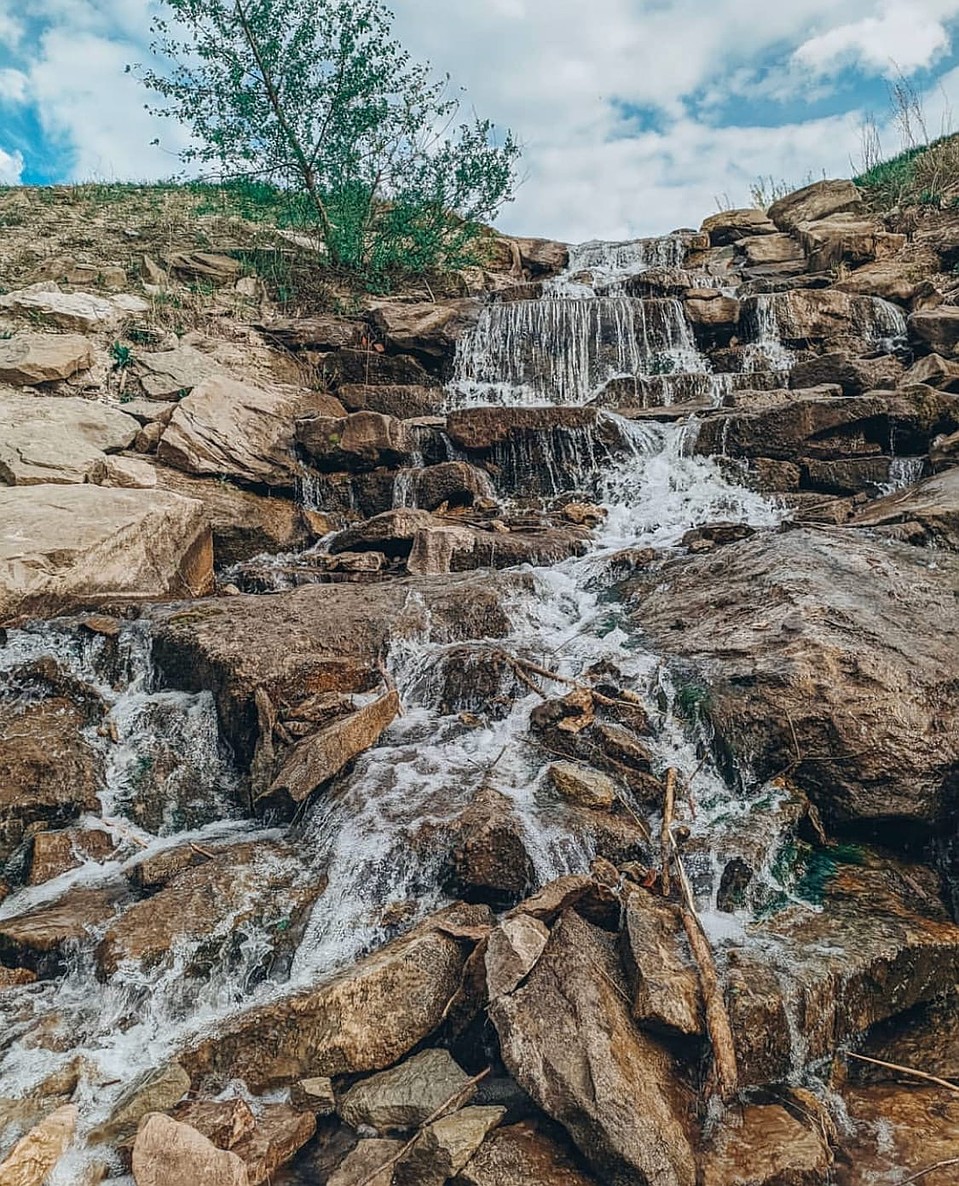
(49, 774)
(814, 202)
(497, 549)
(925, 1037)
(850, 476)
(847, 239)
(280, 1133)
(34, 1158)
(854, 375)
(167, 1153)
(770, 1148)
(900, 1130)
(580, 784)
(232, 429)
(64, 547)
(244, 524)
(226, 1122)
(521, 1155)
(512, 951)
(79, 311)
(40, 938)
(810, 657)
(453, 483)
(320, 757)
(716, 535)
(890, 280)
(927, 513)
(156, 1091)
(403, 402)
(569, 1041)
(406, 1096)
(316, 639)
(392, 533)
(27, 359)
(127, 473)
(444, 1147)
(172, 374)
(365, 1019)
(359, 1168)
(934, 371)
(429, 328)
(435, 548)
(937, 329)
(873, 949)
(50, 439)
(481, 429)
(55, 853)
(666, 993)
(15, 978)
(314, 1095)
(714, 317)
(491, 861)
(730, 226)
(362, 440)
(207, 905)
(809, 318)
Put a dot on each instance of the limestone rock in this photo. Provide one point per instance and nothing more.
(39, 938)
(827, 317)
(125, 473)
(854, 375)
(224, 1122)
(934, 371)
(814, 202)
(429, 328)
(45, 439)
(79, 311)
(888, 279)
(232, 429)
(172, 374)
(392, 533)
(802, 640)
(279, 1134)
(156, 1091)
(167, 1153)
(568, 1039)
(665, 983)
(770, 1148)
(454, 483)
(406, 1096)
(445, 1146)
(927, 513)
(321, 332)
(491, 859)
(27, 359)
(360, 1166)
(937, 329)
(580, 784)
(730, 226)
(764, 250)
(521, 1155)
(512, 951)
(403, 402)
(363, 440)
(365, 1019)
(481, 429)
(314, 1095)
(67, 546)
(534, 258)
(434, 549)
(33, 1159)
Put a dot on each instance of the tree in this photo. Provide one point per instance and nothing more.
(318, 98)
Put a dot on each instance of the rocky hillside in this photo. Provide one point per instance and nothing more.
(498, 734)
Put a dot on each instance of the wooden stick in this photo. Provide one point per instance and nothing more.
(930, 1169)
(892, 1066)
(446, 1106)
(666, 836)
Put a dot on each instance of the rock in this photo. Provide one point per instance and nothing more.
(226, 1123)
(534, 258)
(434, 549)
(853, 375)
(314, 1095)
(714, 317)
(405, 403)
(359, 1168)
(227, 428)
(203, 265)
(764, 251)
(27, 359)
(849, 476)
(392, 533)
(512, 951)
(568, 1039)
(280, 1133)
(482, 429)
(148, 438)
(934, 371)
(34, 1158)
(125, 473)
(801, 641)
(406, 1096)
(769, 1148)
(38, 939)
(200, 909)
(937, 329)
(167, 1153)
(666, 992)
(68, 546)
(368, 368)
(816, 318)
(77, 311)
(429, 328)
(156, 1091)
(363, 440)
(521, 1155)
(927, 513)
(491, 860)
(56, 853)
(244, 524)
(944, 451)
(172, 374)
(444, 1147)
(46, 439)
(452, 483)
(321, 332)
(730, 226)
(15, 978)
(924, 1037)
(320, 638)
(49, 774)
(321, 756)
(814, 202)
(847, 239)
(365, 1019)
(900, 1130)
(889, 279)
(582, 785)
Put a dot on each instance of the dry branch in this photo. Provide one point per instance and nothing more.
(892, 1066)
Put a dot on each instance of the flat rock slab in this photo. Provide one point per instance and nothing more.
(925, 513)
(63, 547)
(26, 359)
(171, 374)
(78, 311)
(46, 439)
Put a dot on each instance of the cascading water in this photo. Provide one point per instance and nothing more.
(383, 835)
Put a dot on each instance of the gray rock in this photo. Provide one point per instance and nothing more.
(406, 1096)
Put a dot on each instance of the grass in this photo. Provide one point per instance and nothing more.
(927, 175)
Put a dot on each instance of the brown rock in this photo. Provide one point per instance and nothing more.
(167, 1153)
(172, 374)
(408, 1095)
(764, 250)
(156, 1091)
(888, 279)
(814, 202)
(663, 977)
(926, 513)
(900, 1129)
(435, 550)
(280, 1133)
(512, 951)
(314, 1095)
(203, 265)
(481, 429)
(33, 1159)
(937, 329)
(847, 239)
(55, 853)
(321, 332)
(37, 939)
(770, 1148)
(730, 226)
(27, 359)
(405, 403)
(359, 1168)
(934, 371)
(443, 1148)
(430, 328)
(521, 1155)
(54, 439)
(362, 440)
(580, 784)
(225, 1122)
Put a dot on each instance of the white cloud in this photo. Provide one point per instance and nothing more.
(11, 167)
(902, 37)
(13, 85)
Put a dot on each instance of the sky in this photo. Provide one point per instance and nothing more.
(636, 116)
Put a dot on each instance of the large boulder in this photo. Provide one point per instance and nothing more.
(365, 1019)
(768, 1147)
(854, 375)
(568, 1039)
(45, 439)
(808, 656)
(730, 226)
(815, 202)
(816, 317)
(70, 546)
(27, 359)
(230, 429)
(937, 329)
(847, 239)
(428, 328)
(927, 513)
(362, 440)
(172, 374)
(482, 429)
(168, 1153)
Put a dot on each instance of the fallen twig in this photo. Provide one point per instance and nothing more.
(666, 836)
(930, 1169)
(445, 1107)
(892, 1066)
